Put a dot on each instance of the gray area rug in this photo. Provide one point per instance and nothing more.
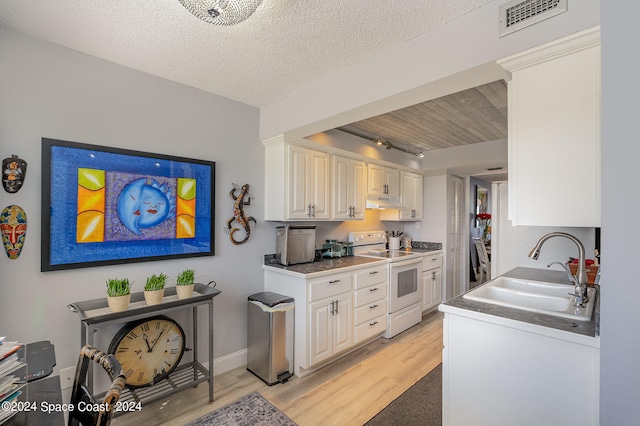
(250, 410)
(421, 404)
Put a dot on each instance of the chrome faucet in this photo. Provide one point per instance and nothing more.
(580, 280)
(572, 279)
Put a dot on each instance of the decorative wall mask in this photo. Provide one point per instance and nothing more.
(14, 170)
(241, 200)
(13, 223)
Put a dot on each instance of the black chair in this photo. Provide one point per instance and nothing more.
(80, 393)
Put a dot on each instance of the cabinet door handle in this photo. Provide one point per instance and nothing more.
(332, 309)
(334, 281)
(433, 275)
(371, 324)
(313, 210)
(336, 307)
(309, 210)
(374, 289)
(373, 306)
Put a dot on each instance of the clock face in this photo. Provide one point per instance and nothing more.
(148, 350)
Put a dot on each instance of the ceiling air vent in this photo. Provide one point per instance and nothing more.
(519, 14)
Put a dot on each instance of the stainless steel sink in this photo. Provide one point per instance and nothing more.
(535, 296)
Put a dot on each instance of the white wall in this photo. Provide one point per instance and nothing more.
(620, 369)
(50, 91)
(515, 242)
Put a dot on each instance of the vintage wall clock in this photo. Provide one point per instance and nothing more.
(148, 350)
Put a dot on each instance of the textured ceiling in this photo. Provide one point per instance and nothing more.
(285, 46)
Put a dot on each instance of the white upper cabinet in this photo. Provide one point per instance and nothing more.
(308, 184)
(411, 189)
(383, 181)
(554, 132)
(297, 182)
(349, 186)
(411, 195)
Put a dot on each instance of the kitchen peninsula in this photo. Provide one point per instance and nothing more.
(505, 366)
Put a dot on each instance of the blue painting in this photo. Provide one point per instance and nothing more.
(105, 206)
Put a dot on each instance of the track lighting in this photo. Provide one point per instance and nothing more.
(386, 143)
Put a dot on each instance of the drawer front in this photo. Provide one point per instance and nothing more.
(370, 329)
(367, 295)
(431, 262)
(371, 276)
(329, 286)
(370, 311)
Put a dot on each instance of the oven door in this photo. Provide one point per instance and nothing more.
(404, 283)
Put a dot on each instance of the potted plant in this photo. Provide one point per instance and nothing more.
(118, 294)
(184, 284)
(154, 289)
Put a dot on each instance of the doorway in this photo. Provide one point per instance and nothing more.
(479, 221)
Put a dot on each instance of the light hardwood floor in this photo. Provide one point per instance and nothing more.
(349, 391)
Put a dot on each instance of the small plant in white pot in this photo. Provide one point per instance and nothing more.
(118, 294)
(154, 289)
(184, 283)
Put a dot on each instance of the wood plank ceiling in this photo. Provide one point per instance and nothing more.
(472, 116)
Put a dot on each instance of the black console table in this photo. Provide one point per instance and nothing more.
(96, 313)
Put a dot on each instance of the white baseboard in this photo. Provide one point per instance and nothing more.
(228, 362)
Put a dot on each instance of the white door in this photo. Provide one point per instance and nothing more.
(342, 326)
(455, 260)
(320, 331)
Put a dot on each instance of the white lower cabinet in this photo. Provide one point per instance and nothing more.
(334, 311)
(432, 280)
(370, 303)
(330, 328)
(502, 372)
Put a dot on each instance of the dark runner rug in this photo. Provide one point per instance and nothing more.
(250, 410)
(421, 404)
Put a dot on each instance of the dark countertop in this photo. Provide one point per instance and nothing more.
(324, 265)
(586, 328)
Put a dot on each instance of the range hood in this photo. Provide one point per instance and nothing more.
(383, 202)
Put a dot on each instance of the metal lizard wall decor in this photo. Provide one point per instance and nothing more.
(241, 200)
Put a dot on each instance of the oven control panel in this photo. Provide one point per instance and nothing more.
(362, 238)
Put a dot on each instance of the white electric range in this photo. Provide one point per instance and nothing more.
(404, 276)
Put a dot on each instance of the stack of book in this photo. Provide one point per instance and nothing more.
(9, 382)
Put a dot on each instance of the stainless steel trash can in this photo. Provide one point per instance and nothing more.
(270, 337)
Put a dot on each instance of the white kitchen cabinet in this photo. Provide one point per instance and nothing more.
(554, 132)
(383, 181)
(297, 182)
(349, 188)
(330, 327)
(432, 280)
(411, 195)
(370, 303)
(330, 317)
(308, 184)
(502, 372)
(411, 187)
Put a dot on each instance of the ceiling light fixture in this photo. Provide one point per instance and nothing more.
(420, 154)
(378, 141)
(221, 12)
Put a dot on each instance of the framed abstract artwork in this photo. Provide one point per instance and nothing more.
(105, 206)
